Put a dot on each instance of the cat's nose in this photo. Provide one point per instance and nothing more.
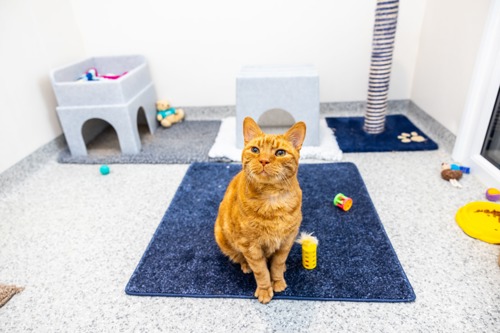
(264, 162)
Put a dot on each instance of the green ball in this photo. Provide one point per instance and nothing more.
(104, 169)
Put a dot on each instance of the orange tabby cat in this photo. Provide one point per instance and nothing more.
(260, 214)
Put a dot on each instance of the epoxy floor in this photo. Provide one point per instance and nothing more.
(73, 237)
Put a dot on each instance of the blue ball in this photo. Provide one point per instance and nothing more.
(104, 169)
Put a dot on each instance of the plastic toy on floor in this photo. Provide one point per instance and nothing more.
(309, 249)
(104, 169)
(167, 116)
(451, 175)
(343, 202)
(492, 194)
(464, 169)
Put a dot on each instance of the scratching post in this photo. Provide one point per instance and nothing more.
(384, 32)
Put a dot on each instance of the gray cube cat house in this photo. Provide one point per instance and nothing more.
(115, 101)
(294, 89)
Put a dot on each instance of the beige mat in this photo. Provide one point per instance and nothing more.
(7, 291)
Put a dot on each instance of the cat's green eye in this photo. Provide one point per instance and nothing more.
(255, 150)
(280, 152)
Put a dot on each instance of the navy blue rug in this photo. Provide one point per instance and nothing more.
(353, 139)
(356, 261)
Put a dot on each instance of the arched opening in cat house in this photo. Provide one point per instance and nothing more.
(275, 121)
(102, 138)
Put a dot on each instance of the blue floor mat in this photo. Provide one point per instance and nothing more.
(353, 139)
(356, 261)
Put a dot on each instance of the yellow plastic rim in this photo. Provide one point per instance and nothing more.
(480, 220)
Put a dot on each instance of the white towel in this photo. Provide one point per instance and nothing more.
(225, 144)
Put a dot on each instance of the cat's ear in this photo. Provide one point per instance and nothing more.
(296, 134)
(250, 129)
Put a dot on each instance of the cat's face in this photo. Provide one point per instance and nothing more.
(270, 158)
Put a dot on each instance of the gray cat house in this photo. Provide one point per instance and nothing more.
(290, 88)
(117, 102)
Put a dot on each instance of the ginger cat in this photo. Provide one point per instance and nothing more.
(260, 214)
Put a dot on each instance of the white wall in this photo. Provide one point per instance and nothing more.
(35, 36)
(196, 47)
(450, 37)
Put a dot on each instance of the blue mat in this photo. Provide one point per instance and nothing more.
(353, 139)
(356, 261)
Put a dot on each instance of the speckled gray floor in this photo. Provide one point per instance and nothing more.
(73, 237)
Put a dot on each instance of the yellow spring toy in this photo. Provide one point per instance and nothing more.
(309, 245)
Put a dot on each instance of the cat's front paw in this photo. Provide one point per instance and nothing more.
(264, 294)
(279, 285)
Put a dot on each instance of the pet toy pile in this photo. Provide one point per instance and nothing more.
(93, 75)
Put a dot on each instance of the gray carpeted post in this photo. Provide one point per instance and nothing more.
(384, 32)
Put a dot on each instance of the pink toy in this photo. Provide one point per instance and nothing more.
(93, 75)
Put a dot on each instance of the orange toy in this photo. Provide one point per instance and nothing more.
(343, 202)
